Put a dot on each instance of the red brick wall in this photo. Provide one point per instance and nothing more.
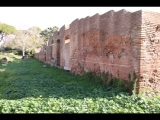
(36, 55)
(119, 43)
(102, 43)
(150, 48)
(48, 54)
(42, 56)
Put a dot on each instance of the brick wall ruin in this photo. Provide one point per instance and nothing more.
(120, 43)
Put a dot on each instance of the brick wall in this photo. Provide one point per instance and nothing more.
(150, 47)
(120, 43)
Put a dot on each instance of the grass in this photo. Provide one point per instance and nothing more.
(27, 87)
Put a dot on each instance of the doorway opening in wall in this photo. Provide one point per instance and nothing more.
(67, 39)
(66, 51)
(45, 54)
(58, 52)
(52, 43)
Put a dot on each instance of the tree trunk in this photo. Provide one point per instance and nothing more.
(23, 53)
(2, 37)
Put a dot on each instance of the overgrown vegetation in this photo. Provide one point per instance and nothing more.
(47, 33)
(17, 51)
(106, 78)
(27, 87)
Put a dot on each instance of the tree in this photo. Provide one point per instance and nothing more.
(6, 29)
(20, 41)
(46, 33)
(26, 40)
(35, 41)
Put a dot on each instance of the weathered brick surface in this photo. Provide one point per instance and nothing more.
(119, 43)
(149, 52)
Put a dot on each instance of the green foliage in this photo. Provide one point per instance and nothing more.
(93, 78)
(48, 32)
(116, 82)
(34, 30)
(30, 88)
(8, 29)
(14, 51)
(5, 49)
(26, 40)
(31, 52)
(134, 84)
(129, 77)
(105, 77)
(108, 79)
(5, 74)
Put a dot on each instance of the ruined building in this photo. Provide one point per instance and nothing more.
(120, 43)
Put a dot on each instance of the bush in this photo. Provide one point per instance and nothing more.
(31, 53)
(15, 52)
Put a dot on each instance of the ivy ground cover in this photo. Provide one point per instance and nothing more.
(28, 87)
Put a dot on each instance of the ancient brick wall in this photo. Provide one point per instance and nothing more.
(101, 43)
(42, 54)
(53, 45)
(121, 43)
(48, 54)
(149, 52)
(54, 48)
(36, 55)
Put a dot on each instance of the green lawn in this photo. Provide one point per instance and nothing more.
(27, 87)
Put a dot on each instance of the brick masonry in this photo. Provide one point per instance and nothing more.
(120, 43)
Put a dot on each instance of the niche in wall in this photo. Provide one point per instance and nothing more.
(67, 39)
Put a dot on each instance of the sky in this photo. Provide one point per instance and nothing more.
(44, 17)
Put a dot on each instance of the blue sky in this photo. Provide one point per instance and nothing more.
(44, 17)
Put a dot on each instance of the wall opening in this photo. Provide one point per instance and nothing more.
(58, 52)
(45, 54)
(51, 48)
(52, 42)
(67, 39)
(158, 28)
(66, 52)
